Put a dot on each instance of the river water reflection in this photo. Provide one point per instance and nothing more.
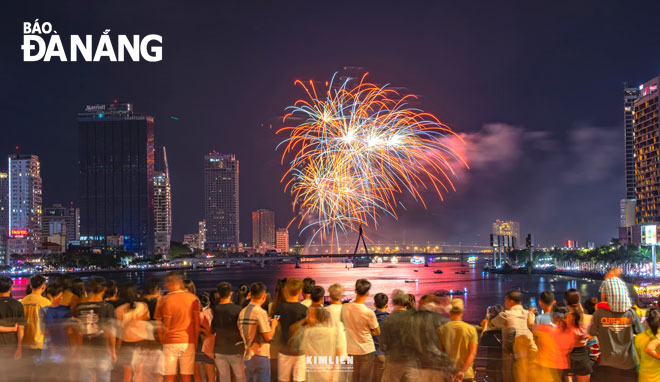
(484, 289)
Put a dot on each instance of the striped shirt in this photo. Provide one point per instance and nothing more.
(252, 323)
(617, 294)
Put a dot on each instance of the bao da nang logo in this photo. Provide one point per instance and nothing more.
(42, 43)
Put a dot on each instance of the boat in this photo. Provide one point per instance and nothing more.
(416, 270)
(438, 271)
(461, 272)
(410, 281)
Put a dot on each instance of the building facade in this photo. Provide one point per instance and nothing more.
(627, 212)
(221, 202)
(263, 228)
(191, 240)
(162, 209)
(60, 220)
(201, 234)
(4, 216)
(116, 156)
(507, 228)
(647, 153)
(282, 240)
(630, 95)
(24, 201)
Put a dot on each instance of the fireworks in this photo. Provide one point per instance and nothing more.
(355, 149)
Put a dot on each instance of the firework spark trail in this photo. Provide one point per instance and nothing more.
(357, 149)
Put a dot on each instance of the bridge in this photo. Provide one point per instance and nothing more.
(360, 260)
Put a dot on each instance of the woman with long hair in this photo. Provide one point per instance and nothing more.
(555, 342)
(132, 317)
(646, 345)
(204, 355)
(579, 321)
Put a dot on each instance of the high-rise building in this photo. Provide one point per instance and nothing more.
(282, 240)
(162, 208)
(61, 220)
(221, 201)
(24, 204)
(630, 95)
(647, 153)
(116, 177)
(263, 228)
(4, 216)
(627, 211)
(191, 240)
(201, 234)
(507, 228)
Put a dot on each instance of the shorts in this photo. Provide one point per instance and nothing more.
(182, 355)
(291, 367)
(126, 352)
(581, 364)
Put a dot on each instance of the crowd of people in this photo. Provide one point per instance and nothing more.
(68, 330)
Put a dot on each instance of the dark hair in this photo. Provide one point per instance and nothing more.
(318, 292)
(190, 286)
(308, 284)
(128, 294)
(224, 289)
(257, 290)
(54, 289)
(559, 312)
(515, 296)
(37, 281)
(110, 289)
(95, 284)
(78, 287)
(412, 303)
(380, 300)
(278, 296)
(241, 295)
(174, 275)
(204, 299)
(5, 284)
(590, 305)
(399, 298)
(362, 287)
(547, 298)
(152, 285)
(572, 298)
(653, 319)
(494, 311)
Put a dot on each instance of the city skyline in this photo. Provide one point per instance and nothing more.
(544, 134)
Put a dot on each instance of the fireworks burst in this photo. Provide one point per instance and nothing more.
(356, 149)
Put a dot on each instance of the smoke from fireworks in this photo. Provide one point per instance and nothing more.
(356, 148)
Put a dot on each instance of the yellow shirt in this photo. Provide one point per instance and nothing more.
(32, 305)
(649, 367)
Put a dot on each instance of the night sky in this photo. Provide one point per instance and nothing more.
(535, 88)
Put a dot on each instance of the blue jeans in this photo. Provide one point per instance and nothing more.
(257, 369)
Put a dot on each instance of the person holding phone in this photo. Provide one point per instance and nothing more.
(547, 301)
(291, 364)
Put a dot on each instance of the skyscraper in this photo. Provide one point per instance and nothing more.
(221, 201)
(647, 153)
(4, 215)
(24, 204)
(201, 234)
(507, 228)
(630, 95)
(282, 240)
(58, 216)
(116, 176)
(263, 228)
(162, 208)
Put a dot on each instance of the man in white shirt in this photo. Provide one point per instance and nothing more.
(361, 324)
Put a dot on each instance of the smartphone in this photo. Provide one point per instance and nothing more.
(532, 302)
(276, 316)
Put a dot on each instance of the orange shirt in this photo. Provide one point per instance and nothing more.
(179, 313)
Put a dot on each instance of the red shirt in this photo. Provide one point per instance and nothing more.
(179, 313)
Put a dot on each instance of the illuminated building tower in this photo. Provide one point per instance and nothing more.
(58, 216)
(4, 216)
(647, 153)
(282, 240)
(201, 234)
(630, 95)
(24, 204)
(263, 228)
(507, 228)
(116, 156)
(162, 209)
(221, 201)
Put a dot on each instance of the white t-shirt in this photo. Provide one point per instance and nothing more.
(335, 322)
(358, 321)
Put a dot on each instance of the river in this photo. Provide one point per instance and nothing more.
(484, 289)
